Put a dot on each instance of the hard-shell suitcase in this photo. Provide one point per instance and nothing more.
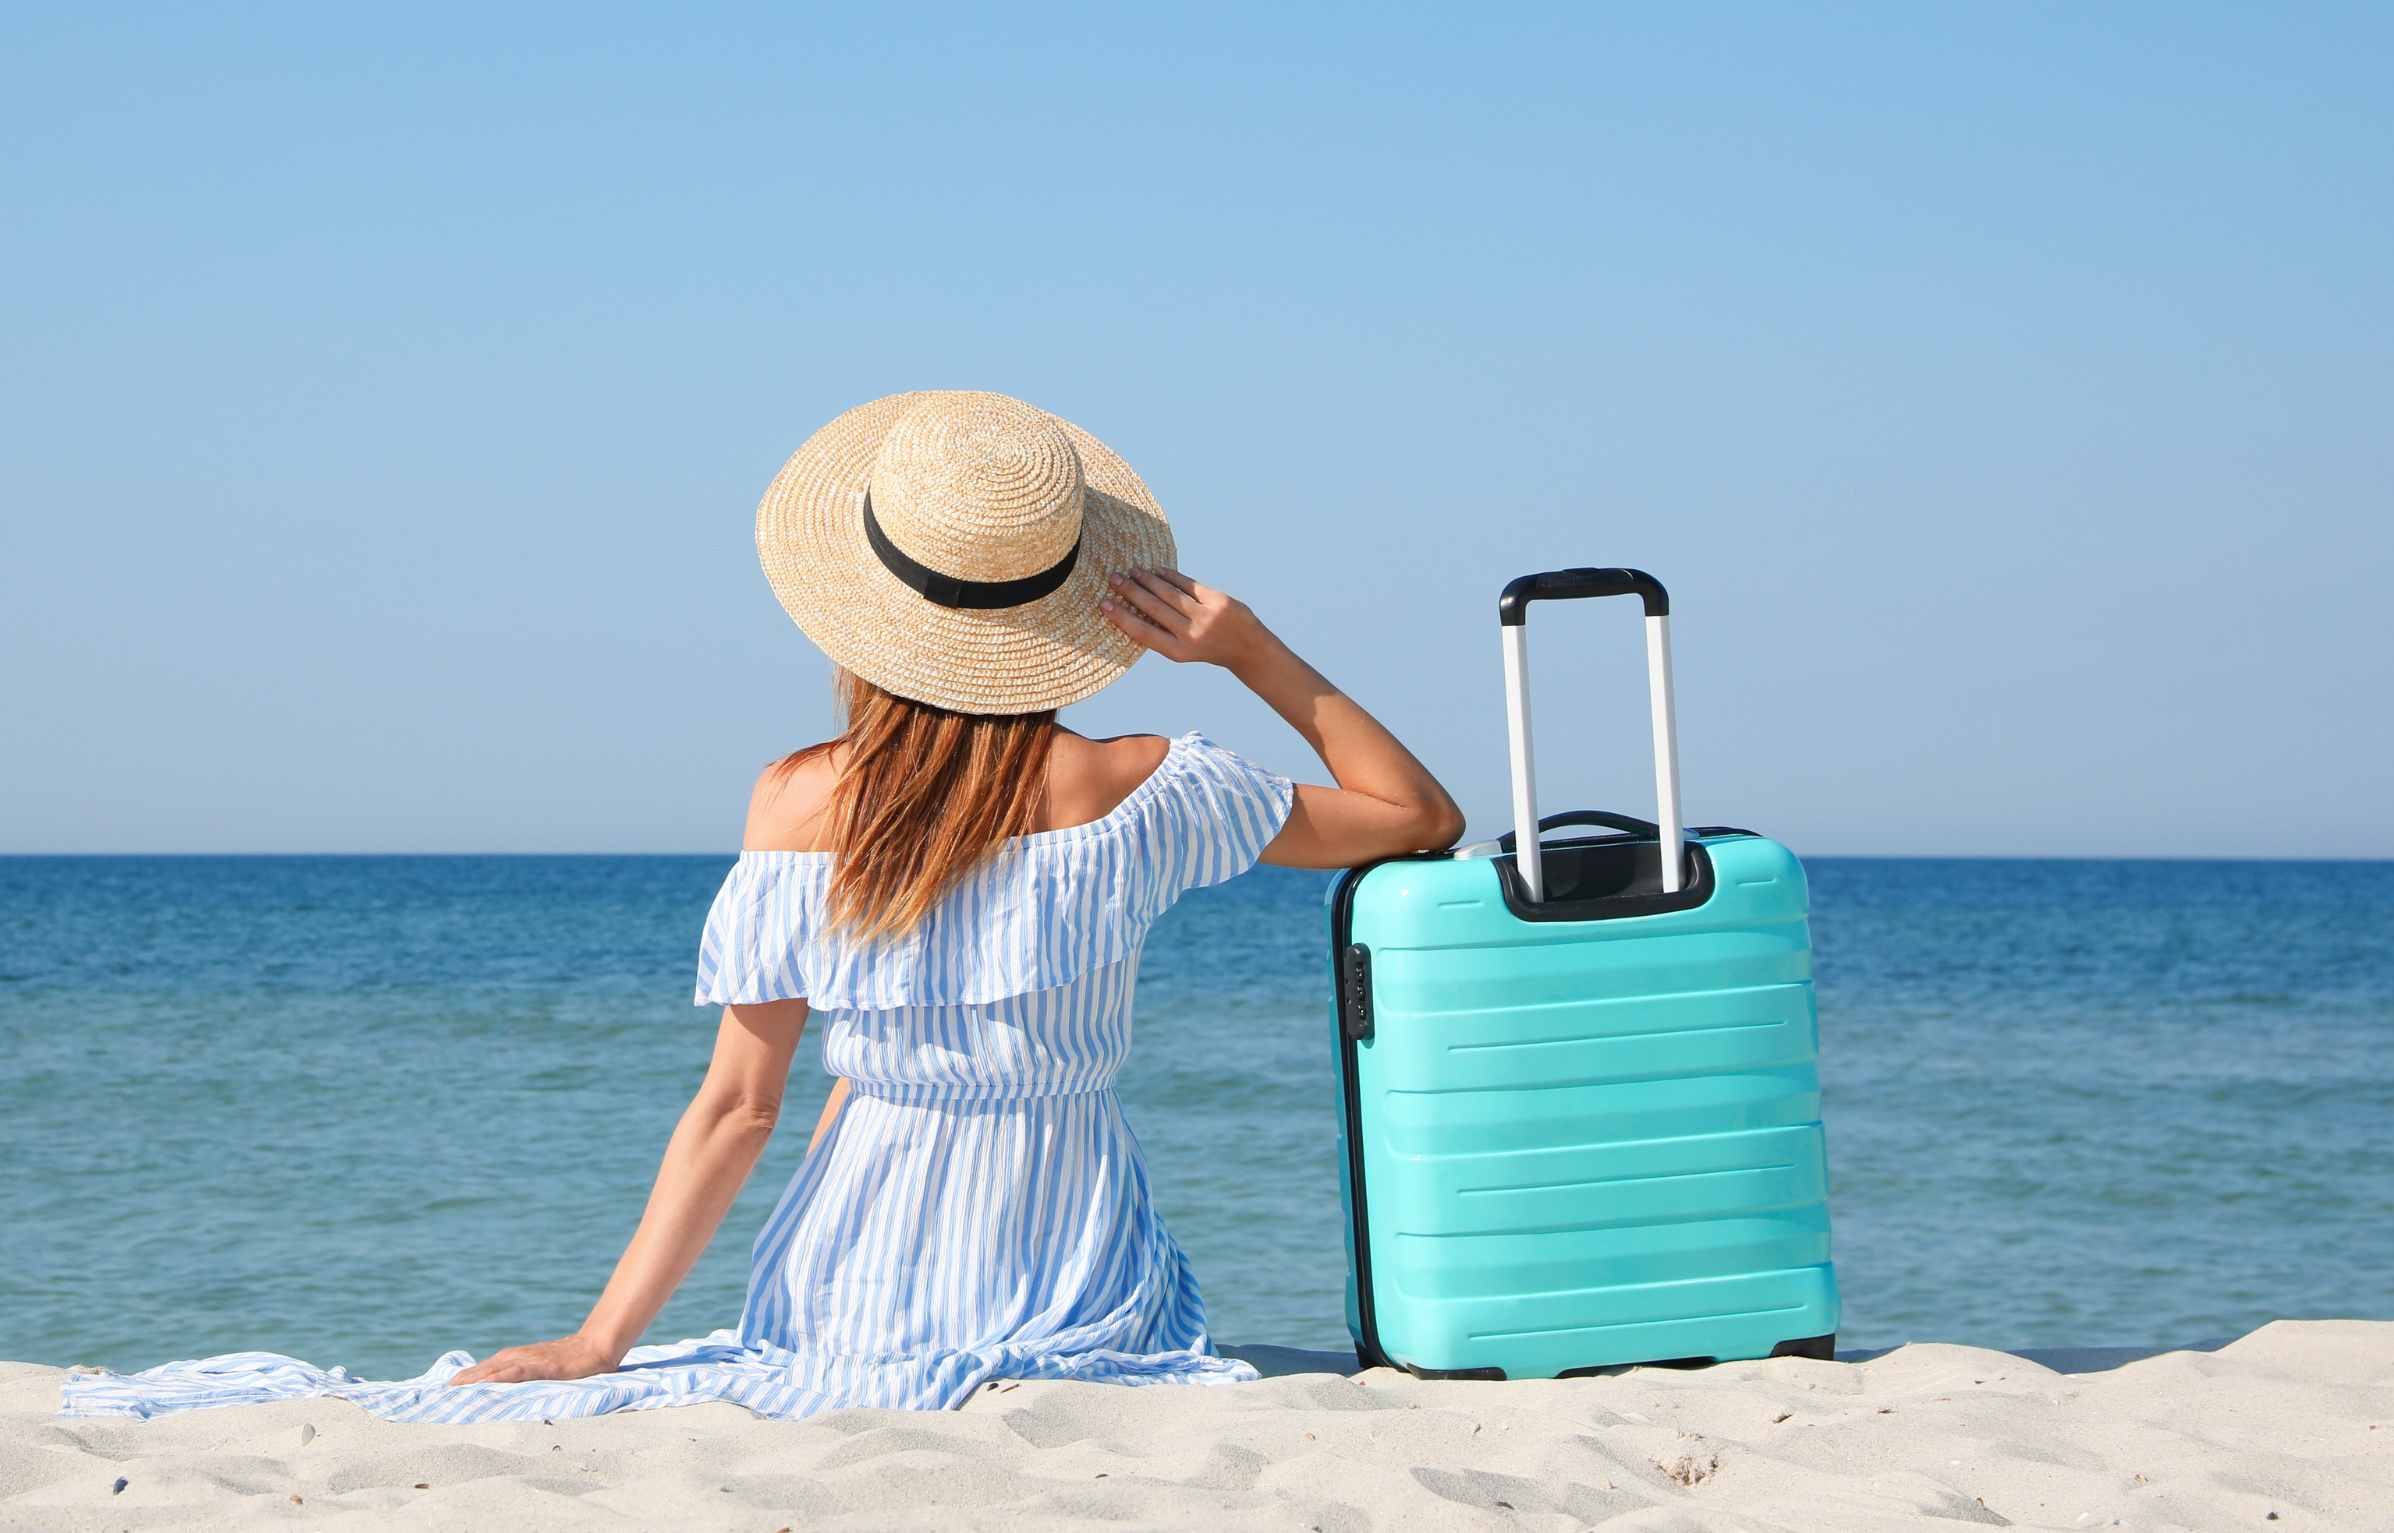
(1580, 1108)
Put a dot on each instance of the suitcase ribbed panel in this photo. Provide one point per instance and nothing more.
(1589, 1142)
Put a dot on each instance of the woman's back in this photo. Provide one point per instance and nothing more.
(979, 1048)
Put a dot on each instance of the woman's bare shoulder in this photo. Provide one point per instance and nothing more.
(787, 809)
(1087, 779)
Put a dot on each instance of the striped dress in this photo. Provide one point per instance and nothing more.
(979, 1210)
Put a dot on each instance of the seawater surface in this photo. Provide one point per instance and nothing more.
(365, 1109)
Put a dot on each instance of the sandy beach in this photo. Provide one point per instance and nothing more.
(2291, 1426)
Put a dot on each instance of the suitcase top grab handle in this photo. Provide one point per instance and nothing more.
(1512, 607)
(1512, 614)
(1628, 824)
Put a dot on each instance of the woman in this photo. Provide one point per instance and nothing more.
(960, 887)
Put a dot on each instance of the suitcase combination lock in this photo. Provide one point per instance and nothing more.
(1355, 990)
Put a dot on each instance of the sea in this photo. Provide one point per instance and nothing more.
(363, 1110)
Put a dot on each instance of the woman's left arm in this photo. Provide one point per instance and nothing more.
(716, 1145)
(831, 1111)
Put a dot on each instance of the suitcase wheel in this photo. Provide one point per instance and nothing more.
(1820, 1348)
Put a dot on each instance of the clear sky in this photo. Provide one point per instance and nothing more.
(2003, 390)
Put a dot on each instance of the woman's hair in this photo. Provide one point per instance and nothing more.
(923, 796)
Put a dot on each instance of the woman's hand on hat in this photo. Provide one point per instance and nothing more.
(1166, 611)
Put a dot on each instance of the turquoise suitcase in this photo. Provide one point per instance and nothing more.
(1578, 1085)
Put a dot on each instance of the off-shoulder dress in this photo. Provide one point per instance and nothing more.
(979, 1209)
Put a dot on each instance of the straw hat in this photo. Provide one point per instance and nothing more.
(951, 547)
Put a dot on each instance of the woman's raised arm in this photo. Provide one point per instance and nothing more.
(1385, 802)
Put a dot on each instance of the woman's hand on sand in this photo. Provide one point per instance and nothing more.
(568, 1357)
(1166, 611)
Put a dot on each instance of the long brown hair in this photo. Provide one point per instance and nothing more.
(923, 796)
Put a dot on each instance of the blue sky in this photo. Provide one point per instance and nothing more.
(2002, 390)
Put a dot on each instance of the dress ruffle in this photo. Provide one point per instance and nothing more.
(1048, 909)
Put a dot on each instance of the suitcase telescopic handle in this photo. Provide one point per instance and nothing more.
(1512, 616)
